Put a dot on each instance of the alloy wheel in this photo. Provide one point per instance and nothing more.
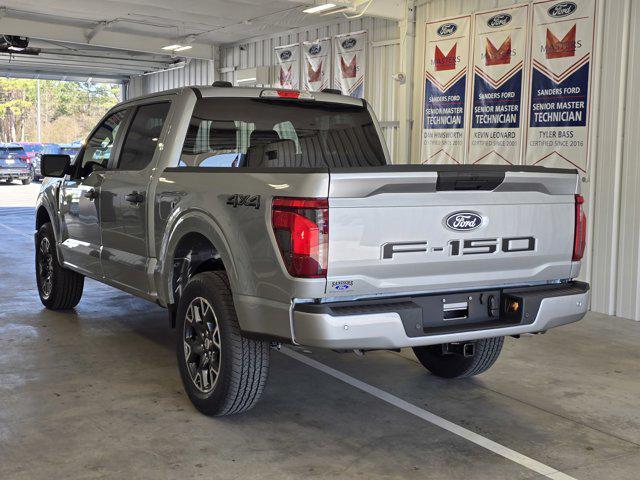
(201, 340)
(45, 267)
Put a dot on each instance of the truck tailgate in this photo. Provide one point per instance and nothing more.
(407, 229)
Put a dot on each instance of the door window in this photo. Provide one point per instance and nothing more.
(143, 136)
(99, 147)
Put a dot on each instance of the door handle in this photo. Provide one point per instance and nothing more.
(91, 194)
(134, 197)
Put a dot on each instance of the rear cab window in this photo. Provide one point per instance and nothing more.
(262, 133)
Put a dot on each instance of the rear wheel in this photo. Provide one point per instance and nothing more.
(442, 362)
(59, 287)
(222, 371)
(26, 181)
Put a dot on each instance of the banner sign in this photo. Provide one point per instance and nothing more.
(499, 54)
(288, 61)
(445, 68)
(350, 63)
(559, 97)
(317, 65)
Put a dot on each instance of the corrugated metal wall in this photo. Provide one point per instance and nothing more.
(196, 72)
(612, 265)
(382, 61)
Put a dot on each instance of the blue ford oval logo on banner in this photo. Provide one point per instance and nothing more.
(447, 29)
(315, 49)
(349, 43)
(499, 20)
(285, 55)
(562, 9)
(463, 221)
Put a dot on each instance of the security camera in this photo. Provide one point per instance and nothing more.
(15, 43)
(399, 77)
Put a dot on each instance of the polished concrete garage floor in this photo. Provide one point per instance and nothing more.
(95, 393)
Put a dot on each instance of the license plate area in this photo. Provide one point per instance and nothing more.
(458, 312)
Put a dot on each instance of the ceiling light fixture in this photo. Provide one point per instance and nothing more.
(183, 48)
(171, 47)
(320, 8)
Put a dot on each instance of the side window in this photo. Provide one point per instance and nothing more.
(99, 147)
(143, 136)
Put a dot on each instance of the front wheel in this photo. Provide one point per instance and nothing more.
(59, 287)
(440, 360)
(222, 371)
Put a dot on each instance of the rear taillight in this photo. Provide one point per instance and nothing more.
(580, 231)
(25, 159)
(301, 228)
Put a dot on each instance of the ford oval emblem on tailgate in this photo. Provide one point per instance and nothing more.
(463, 221)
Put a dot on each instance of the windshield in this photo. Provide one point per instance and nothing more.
(258, 133)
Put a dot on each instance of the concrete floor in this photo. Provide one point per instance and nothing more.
(96, 394)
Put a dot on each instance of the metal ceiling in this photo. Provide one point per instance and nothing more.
(66, 61)
(113, 40)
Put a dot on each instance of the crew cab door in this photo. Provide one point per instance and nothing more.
(124, 198)
(79, 199)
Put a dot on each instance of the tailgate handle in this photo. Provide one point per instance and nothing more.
(464, 181)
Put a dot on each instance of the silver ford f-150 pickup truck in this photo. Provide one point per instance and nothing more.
(260, 216)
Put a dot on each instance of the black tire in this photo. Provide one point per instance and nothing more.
(59, 287)
(486, 352)
(242, 364)
(26, 181)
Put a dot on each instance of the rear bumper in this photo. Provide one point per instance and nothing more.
(388, 324)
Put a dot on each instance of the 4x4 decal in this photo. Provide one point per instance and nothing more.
(242, 200)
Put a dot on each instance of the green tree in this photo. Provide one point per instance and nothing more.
(16, 101)
(68, 109)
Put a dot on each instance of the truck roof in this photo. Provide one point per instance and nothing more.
(254, 92)
(247, 92)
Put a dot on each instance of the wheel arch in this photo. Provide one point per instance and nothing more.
(193, 243)
(42, 216)
(45, 212)
(46, 209)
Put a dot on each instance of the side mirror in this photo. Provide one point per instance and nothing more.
(54, 165)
